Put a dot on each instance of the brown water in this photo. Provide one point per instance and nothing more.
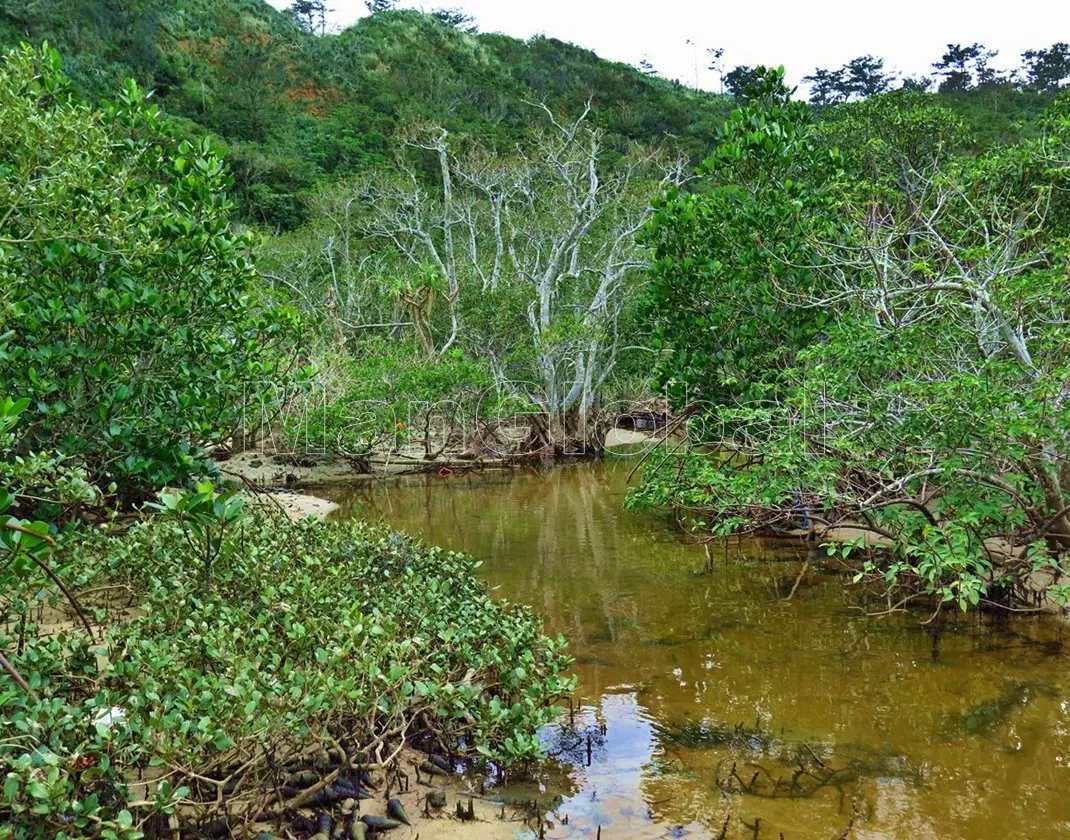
(727, 708)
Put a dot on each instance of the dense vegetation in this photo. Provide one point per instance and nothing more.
(294, 106)
(527, 262)
(256, 644)
(411, 168)
(875, 337)
(173, 669)
(131, 313)
(337, 141)
(996, 106)
(387, 238)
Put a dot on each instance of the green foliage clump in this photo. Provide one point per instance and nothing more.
(878, 137)
(724, 248)
(997, 113)
(304, 638)
(925, 403)
(41, 482)
(130, 315)
(295, 107)
(383, 395)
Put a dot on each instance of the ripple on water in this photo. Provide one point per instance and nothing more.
(704, 694)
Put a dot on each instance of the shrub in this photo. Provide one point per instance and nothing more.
(307, 637)
(129, 312)
(929, 410)
(382, 395)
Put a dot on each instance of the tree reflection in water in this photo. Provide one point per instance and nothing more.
(701, 680)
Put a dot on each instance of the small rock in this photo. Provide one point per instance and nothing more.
(442, 762)
(432, 769)
(397, 811)
(379, 823)
(302, 779)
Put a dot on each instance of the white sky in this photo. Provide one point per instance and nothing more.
(908, 34)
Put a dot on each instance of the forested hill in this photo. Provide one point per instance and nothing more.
(294, 106)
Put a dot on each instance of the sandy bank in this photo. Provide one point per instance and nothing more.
(302, 505)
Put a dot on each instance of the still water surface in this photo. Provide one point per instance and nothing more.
(716, 707)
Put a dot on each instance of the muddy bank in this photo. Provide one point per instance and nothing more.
(303, 505)
(271, 467)
(276, 469)
(440, 807)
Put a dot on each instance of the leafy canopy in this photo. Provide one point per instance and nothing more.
(130, 314)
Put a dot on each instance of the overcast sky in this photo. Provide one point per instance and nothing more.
(908, 34)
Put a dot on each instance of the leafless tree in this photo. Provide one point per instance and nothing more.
(551, 218)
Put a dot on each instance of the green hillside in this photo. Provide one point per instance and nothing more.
(294, 106)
